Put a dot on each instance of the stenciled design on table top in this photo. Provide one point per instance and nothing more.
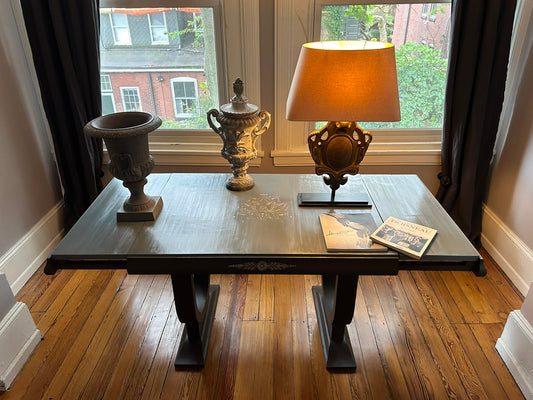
(262, 266)
(264, 207)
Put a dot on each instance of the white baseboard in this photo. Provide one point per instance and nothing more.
(27, 255)
(18, 339)
(516, 349)
(508, 250)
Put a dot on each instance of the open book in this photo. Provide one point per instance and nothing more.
(404, 236)
(349, 232)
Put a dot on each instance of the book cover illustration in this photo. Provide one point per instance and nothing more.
(404, 236)
(349, 232)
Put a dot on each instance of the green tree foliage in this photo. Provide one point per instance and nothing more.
(421, 85)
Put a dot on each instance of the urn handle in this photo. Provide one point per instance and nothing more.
(265, 117)
(213, 112)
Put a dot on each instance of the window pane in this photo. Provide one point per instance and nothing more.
(166, 43)
(420, 34)
(108, 106)
(157, 19)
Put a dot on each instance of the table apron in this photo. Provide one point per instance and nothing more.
(363, 265)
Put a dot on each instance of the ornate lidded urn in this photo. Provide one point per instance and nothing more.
(240, 125)
(126, 138)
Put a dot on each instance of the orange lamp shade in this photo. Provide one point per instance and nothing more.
(345, 81)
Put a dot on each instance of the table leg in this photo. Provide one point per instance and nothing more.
(335, 304)
(196, 302)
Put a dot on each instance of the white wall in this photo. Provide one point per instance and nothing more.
(30, 184)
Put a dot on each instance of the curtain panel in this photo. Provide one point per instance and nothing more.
(477, 72)
(64, 40)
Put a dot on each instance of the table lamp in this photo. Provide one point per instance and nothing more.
(342, 82)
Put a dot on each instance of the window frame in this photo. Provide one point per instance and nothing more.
(157, 42)
(113, 26)
(184, 79)
(239, 56)
(138, 93)
(107, 92)
(299, 21)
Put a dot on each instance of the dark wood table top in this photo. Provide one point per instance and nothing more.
(202, 222)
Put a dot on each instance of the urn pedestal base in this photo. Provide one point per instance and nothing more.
(240, 183)
(150, 213)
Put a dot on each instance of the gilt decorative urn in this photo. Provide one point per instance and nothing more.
(125, 135)
(240, 124)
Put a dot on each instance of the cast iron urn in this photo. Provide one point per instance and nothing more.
(126, 139)
(240, 125)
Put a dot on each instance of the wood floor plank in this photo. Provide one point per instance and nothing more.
(446, 300)
(479, 361)
(209, 376)
(469, 284)
(118, 384)
(232, 337)
(502, 283)
(487, 335)
(417, 289)
(163, 362)
(452, 342)
(253, 295)
(389, 358)
(463, 304)
(90, 359)
(423, 377)
(322, 380)
(266, 300)
(370, 381)
(255, 374)
(79, 346)
(148, 347)
(283, 347)
(303, 375)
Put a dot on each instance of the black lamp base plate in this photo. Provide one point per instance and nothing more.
(341, 200)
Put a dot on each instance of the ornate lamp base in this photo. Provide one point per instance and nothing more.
(337, 149)
(340, 200)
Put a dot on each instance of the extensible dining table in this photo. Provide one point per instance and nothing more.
(205, 229)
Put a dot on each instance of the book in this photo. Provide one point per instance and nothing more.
(405, 237)
(349, 232)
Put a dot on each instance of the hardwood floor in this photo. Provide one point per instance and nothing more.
(419, 335)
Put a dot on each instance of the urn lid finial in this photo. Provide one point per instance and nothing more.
(238, 106)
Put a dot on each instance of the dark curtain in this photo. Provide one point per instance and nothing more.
(64, 39)
(477, 71)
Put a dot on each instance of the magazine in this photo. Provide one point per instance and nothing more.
(404, 236)
(349, 232)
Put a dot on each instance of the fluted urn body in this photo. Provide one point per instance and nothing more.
(240, 124)
(125, 135)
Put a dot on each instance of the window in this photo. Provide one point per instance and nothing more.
(416, 140)
(185, 97)
(200, 48)
(120, 28)
(158, 28)
(421, 53)
(131, 101)
(108, 100)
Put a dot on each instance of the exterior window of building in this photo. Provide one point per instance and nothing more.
(421, 52)
(429, 11)
(131, 101)
(174, 59)
(185, 96)
(120, 28)
(158, 28)
(108, 100)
